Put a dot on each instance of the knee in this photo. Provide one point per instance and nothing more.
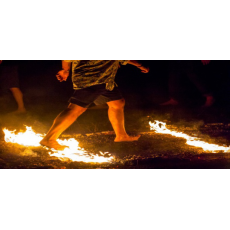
(119, 104)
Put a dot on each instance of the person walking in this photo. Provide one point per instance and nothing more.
(93, 80)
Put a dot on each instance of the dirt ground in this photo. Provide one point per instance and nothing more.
(94, 133)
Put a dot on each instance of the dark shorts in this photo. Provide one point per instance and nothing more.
(96, 94)
(9, 76)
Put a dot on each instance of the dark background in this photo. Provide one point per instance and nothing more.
(144, 91)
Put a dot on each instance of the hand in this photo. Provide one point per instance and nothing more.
(144, 69)
(62, 75)
(205, 62)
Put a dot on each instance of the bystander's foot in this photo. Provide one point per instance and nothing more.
(209, 101)
(170, 102)
(53, 144)
(127, 138)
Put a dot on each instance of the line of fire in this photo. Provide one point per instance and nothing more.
(112, 114)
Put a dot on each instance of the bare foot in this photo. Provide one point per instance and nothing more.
(19, 111)
(170, 102)
(209, 101)
(127, 138)
(53, 144)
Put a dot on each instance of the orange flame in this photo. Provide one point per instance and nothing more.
(73, 152)
(160, 127)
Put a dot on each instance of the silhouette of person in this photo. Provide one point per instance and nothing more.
(179, 69)
(9, 79)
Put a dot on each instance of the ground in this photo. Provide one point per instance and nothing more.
(94, 133)
(45, 97)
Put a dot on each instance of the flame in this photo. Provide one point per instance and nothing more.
(160, 127)
(27, 138)
(73, 152)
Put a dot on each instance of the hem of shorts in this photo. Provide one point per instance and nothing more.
(120, 98)
(76, 102)
(88, 86)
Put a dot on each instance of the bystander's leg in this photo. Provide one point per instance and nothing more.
(18, 96)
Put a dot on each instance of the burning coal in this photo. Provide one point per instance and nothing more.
(160, 127)
(73, 152)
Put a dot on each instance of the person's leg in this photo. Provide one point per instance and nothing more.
(174, 81)
(209, 98)
(195, 71)
(60, 124)
(10, 81)
(116, 117)
(173, 86)
(18, 96)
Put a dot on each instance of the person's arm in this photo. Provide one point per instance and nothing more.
(139, 66)
(63, 74)
(66, 65)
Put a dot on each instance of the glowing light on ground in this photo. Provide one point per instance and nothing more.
(75, 153)
(27, 138)
(160, 127)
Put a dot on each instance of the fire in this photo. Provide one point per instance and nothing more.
(160, 127)
(73, 152)
(27, 138)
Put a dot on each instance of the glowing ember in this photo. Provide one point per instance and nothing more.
(160, 127)
(73, 152)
